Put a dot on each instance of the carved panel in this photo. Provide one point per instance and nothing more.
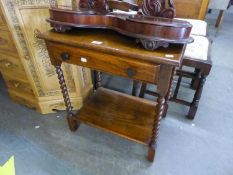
(159, 8)
(38, 56)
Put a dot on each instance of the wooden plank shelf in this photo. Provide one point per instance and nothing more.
(121, 114)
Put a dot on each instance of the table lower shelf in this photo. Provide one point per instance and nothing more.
(121, 114)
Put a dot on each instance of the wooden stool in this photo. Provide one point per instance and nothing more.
(196, 56)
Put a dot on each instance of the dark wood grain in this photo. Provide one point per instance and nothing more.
(124, 115)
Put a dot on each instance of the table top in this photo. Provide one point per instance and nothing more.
(110, 42)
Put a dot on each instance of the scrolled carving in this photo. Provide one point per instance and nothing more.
(152, 45)
(168, 13)
(151, 7)
(61, 28)
(157, 8)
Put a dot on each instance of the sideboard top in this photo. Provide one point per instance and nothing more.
(111, 42)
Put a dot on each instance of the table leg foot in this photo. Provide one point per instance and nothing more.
(196, 99)
(151, 154)
(165, 110)
(192, 113)
(73, 124)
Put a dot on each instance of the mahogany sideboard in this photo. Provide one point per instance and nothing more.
(107, 51)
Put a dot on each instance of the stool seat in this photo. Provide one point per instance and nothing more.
(199, 26)
(197, 50)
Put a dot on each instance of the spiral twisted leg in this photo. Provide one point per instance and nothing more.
(73, 124)
(155, 130)
(169, 95)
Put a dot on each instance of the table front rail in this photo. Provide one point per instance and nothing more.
(112, 64)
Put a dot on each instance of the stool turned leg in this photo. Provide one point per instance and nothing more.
(155, 130)
(142, 91)
(134, 89)
(220, 18)
(195, 81)
(151, 154)
(177, 87)
(196, 99)
(73, 124)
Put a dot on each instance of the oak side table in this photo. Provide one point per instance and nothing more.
(106, 51)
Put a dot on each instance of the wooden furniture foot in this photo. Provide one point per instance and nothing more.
(73, 124)
(151, 154)
(196, 99)
(165, 109)
(220, 18)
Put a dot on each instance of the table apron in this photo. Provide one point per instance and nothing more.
(112, 64)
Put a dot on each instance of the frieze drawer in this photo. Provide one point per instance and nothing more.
(100, 61)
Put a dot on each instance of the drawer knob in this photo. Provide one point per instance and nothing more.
(130, 72)
(65, 56)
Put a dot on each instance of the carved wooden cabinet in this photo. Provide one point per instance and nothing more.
(24, 61)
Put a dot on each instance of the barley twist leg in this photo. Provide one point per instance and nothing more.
(169, 95)
(155, 130)
(73, 124)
